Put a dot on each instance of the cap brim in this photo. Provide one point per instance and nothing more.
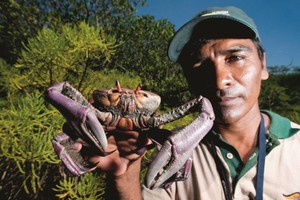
(212, 30)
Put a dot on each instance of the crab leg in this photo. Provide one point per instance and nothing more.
(177, 149)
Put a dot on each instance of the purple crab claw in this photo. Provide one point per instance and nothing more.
(175, 153)
(79, 114)
(82, 124)
(72, 160)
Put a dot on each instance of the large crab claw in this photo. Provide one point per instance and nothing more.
(81, 119)
(174, 155)
(72, 160)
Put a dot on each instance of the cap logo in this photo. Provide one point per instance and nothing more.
(220, 12)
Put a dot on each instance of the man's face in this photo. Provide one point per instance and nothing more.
(229, 73)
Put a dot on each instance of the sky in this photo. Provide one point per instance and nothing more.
(278, 22)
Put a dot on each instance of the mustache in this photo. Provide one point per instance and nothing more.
(227, 93)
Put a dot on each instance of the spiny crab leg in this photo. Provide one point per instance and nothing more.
(177, 149)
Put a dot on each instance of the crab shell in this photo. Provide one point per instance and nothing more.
(128, 108)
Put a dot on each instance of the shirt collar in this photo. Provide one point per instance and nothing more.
(280, 126)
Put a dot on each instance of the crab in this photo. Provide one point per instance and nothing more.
(128, 110)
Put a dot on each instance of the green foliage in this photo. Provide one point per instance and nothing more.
(53, 57)
(104, 13)
(143, 53)
(22, 19)
(6, 72)
(273, 95)
(281, 92)
(19, 19)
(41, 61)
(106, 80)
(26, 130)
(87, 187)
(181, 122)
(292, 90)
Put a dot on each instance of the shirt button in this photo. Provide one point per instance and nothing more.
(229, 155)
(270, 144)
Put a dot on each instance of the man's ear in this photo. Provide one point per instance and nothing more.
(264, 73)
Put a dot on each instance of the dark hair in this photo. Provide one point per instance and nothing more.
(190, 55)
(259, 47)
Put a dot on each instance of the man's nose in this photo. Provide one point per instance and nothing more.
(223, 75)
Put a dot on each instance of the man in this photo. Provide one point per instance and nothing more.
(248, 154)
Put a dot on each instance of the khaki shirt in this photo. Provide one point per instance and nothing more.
(281, 178)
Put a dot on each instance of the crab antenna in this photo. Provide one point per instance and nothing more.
(118, 86)
(138, 88)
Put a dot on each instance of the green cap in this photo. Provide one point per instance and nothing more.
(212, 23)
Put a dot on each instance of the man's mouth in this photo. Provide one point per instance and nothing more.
(228, 100)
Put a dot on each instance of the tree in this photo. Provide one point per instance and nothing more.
(27, 159)
(22, 19)
(19, 19)
(143, 40)
(104, 13)
(281, 92)
(69, 54)
(143, 54)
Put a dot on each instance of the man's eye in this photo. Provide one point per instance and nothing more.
(234, 59)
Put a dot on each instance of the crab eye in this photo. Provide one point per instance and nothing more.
(143, 94)
(114, 98)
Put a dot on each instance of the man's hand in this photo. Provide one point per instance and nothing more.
(123, 165)
(126, 147)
